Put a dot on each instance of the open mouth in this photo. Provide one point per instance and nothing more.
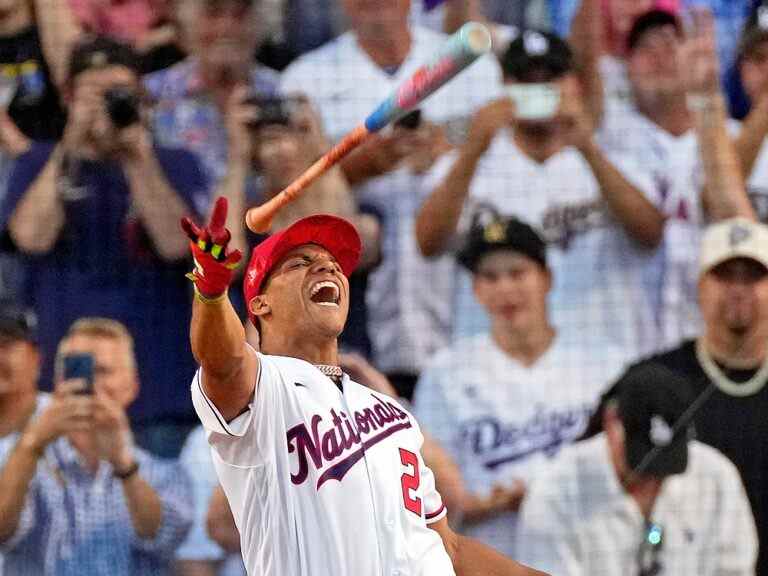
(325, 293)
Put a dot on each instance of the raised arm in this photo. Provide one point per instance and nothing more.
(217, 336)
(587, 41)
(438, 218)
(723, 193)
(58, 31)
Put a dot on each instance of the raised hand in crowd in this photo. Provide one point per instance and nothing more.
(576, 120)
(486, 123)
(69, 411)
(699, 63)
(417, 148)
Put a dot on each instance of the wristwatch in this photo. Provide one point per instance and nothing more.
(127, 473)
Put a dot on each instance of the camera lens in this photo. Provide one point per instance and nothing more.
(122, 106)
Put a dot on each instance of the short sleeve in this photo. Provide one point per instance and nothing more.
(251, 438)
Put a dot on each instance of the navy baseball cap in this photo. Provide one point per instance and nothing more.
(101, 52)
(652, 402)
(651, 20)
(537, 56)
(501, 234)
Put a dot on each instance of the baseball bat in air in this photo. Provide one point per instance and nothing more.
(460, 50)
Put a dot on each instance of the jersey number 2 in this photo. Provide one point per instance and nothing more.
(410, 481)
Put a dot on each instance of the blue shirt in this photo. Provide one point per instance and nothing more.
(185, 116)
(103, 264)
(75, 522)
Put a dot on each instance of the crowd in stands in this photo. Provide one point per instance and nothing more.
(564, 270)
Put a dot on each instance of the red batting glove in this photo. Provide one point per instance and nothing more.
(214, 265)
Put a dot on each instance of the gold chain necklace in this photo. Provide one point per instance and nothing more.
(725, 384)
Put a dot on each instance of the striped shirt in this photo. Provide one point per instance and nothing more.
(77, 522)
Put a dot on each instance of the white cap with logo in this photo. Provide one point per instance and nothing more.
(733, 238)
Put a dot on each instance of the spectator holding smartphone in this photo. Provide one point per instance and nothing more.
(78, 496)
(95, 218)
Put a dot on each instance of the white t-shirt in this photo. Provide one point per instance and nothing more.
(407, 324)
(325, 482)
(503, 421)
(577, 521)
(601, 290)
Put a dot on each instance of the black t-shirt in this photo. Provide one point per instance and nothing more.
(35, 107)
(738, 427)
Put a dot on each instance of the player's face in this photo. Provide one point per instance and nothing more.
(513, 289)
(734, 297)
(307, 291)
(754, 71)
(653, 66)
(114, 372)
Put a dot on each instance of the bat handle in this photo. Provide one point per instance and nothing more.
(259, 218)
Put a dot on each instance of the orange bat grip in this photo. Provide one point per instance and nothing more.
(259, 219)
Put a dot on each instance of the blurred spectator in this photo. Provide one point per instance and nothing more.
(199, 555)
(345, 80)
(96, 218)
(78, 497)
(677, 134)
(533, 155)
(19, 372)
(641, 498)
(750, 145)
(146, 25)
(35, 41)
(727, 365)
(502, 403)
(192, 96)
(599, 37)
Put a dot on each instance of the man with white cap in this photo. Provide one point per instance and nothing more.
(727, 365)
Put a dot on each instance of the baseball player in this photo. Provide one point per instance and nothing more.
(323, 475)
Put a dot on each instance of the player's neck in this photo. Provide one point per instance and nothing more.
(15, 410)
(389, 47)
(644, 491)
(525, 346)
(312, 350)
(739, 351)
(539, 145)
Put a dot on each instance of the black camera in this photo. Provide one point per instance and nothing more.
(271, 110)
(410, 121)
(122, 106)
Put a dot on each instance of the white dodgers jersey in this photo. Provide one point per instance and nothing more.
(325, 482)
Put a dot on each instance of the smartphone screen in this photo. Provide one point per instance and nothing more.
(79, 366)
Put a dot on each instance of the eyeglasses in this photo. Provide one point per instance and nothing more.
(649, 553)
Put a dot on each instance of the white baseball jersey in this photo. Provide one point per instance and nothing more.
(322, 482)
(601, 286)
(502, 421)
(578, 521)
(407, 323)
